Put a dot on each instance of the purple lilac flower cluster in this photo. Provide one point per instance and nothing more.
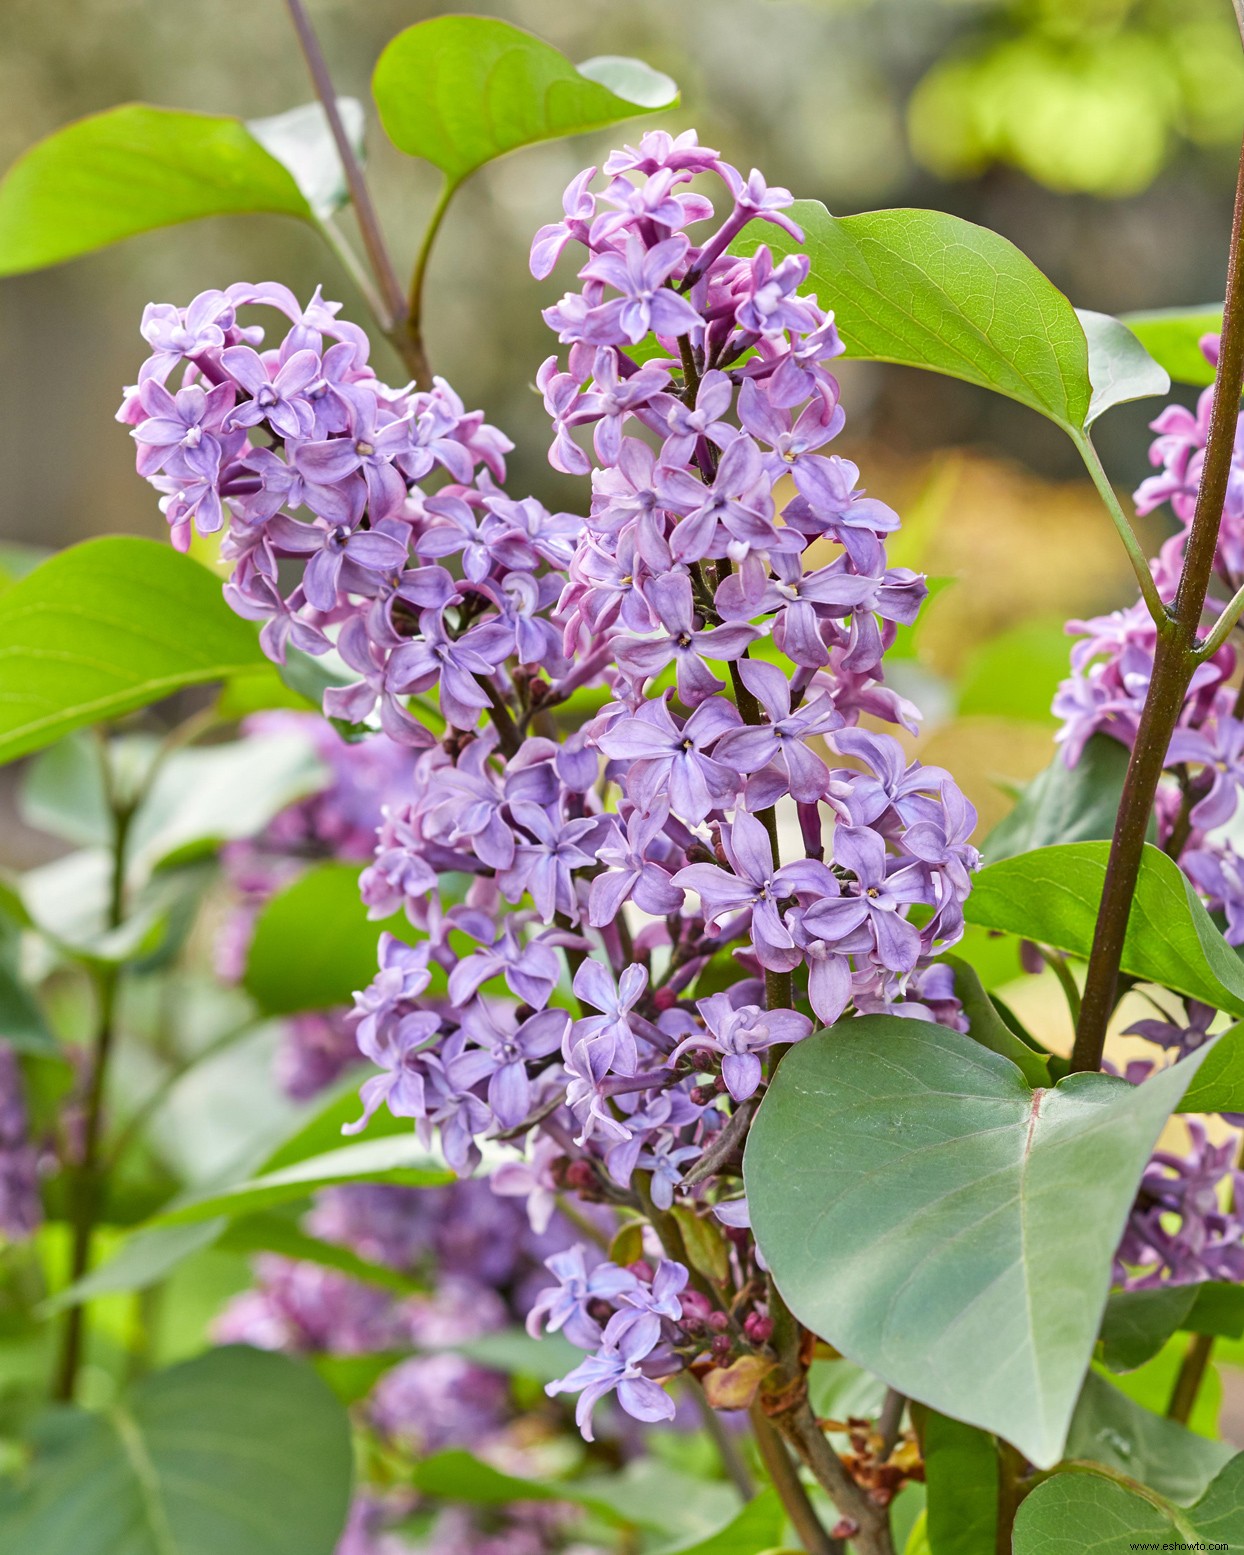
(21, 1211)
(1184, 1226)
(672, 848)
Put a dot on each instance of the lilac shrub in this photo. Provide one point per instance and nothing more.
(644, 840)
(21, 1211)
(1185, 1226)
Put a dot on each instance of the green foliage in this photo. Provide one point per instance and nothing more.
(1120, 366)
(397, 1158)
(1172, 336)
(1064, 804)
(1016, 674)
(1086, 1513)
(106, 627)
(1137, 1323)
(1112, 1429)
(1052, 895)
(314, 944)
(986, 1025)
(757, 1527)
(459, 91)
(936, 1220)
(129, 170)
(925, 289)
(961, 1471)
(239, 1450)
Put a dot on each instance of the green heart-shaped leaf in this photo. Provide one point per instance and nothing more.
(130, 170)
(1064, 804)
(944, 1225)
(459, 91)
(314, 944)
(1088, 1513)
(239, 1451)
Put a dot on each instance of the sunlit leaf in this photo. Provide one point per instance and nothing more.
(1172, 337)
(129, 170)
(459, 91)
(1053, 896)
(106, 627)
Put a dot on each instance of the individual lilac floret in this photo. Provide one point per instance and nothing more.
(618, 1366)
(739, 1036)
(567, 1306)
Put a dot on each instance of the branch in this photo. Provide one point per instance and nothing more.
(360, 196)
(1221, 628)
(785, 1480)
(1175, 659)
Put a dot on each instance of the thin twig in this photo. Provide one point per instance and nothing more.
(360, 195)
(727, 1448)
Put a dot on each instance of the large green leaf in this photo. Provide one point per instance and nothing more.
(925, 289)
(1053, 894)
(1114, 1430)
(986, 1025)
(106, 627)
(941, 1223)
(314, 944)
(129, 170)
(930, 290)
(1085, 1513)
(1172, 337)
(239, 1451)
(459, 91)
(1064, 804)
(397, 1158)
(756, 1526)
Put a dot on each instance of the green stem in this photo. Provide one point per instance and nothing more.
(1191, 1375)
(1135, 554)
(87, 1181)
(1175, 660)
(360, 196)
(1221, 628)
(413, 322)
(727, 1447)
(1013, 1486)
(1057, 964)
